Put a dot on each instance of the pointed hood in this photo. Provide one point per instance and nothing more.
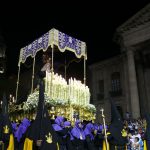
(36, 127)
(115, 115)
(116, 126)
(41, 128)
(5, 115)
(5, 126)
(147, 117)
(147, 132)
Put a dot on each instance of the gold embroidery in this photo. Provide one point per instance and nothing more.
(124, 133)
(6, 129)
(49, 138)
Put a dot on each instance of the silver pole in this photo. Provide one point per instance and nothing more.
(103, 116)
(17, 83)
(33, 75)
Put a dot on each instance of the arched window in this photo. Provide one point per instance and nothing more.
(115, 82)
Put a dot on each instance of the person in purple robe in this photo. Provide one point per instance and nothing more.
(89, 135)
(22, 129)
(21, 132)
(59, 123)
(61, 131)
(68, 137)
(14, 127)
(78, 135)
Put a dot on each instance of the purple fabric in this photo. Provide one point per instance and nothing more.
(58, 123)
(67, 123)
(59, 120)
(14, 127)
(25, 122)
(101, 127)
(77, 131)
(96, 127)
(22, 129)
(18, 133)
(88, 130)
(56, 127)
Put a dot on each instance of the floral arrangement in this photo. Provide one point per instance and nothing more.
(32, 103)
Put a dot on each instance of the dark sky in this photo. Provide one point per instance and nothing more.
(94, 22)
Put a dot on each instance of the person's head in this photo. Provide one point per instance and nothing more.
(136, 139)
(46, 58)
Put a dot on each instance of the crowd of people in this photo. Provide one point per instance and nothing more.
(83, 135)
(135, 133)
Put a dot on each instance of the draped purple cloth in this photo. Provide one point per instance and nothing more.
(59, 120)
(58, 123)
(96, 127)
(56, 127)
(101, 128)
(88, 130)
(77, 131)
(14, 127)
(68, 124)
(22, 129)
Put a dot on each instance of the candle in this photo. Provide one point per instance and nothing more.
(13, 99)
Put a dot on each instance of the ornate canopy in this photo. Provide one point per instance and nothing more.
(53, 37)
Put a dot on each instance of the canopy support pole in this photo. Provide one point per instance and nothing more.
(52, 71)
(17, 82)
(65, 68)
(33, 75)
(84, 71)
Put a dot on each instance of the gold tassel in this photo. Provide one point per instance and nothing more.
(104, 145)
(145, 146)
(11, 142)
(28, 144)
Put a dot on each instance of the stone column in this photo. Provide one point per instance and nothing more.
(141, 85)
(134, 96)
(126, 92)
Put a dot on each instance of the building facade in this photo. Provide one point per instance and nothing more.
(125, 78)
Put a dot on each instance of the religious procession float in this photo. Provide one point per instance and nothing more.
(66, 97)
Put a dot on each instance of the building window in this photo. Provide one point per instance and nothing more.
(119, 108)
(100, 95)
(115, 84)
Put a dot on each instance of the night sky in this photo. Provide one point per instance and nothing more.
(92, 22)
